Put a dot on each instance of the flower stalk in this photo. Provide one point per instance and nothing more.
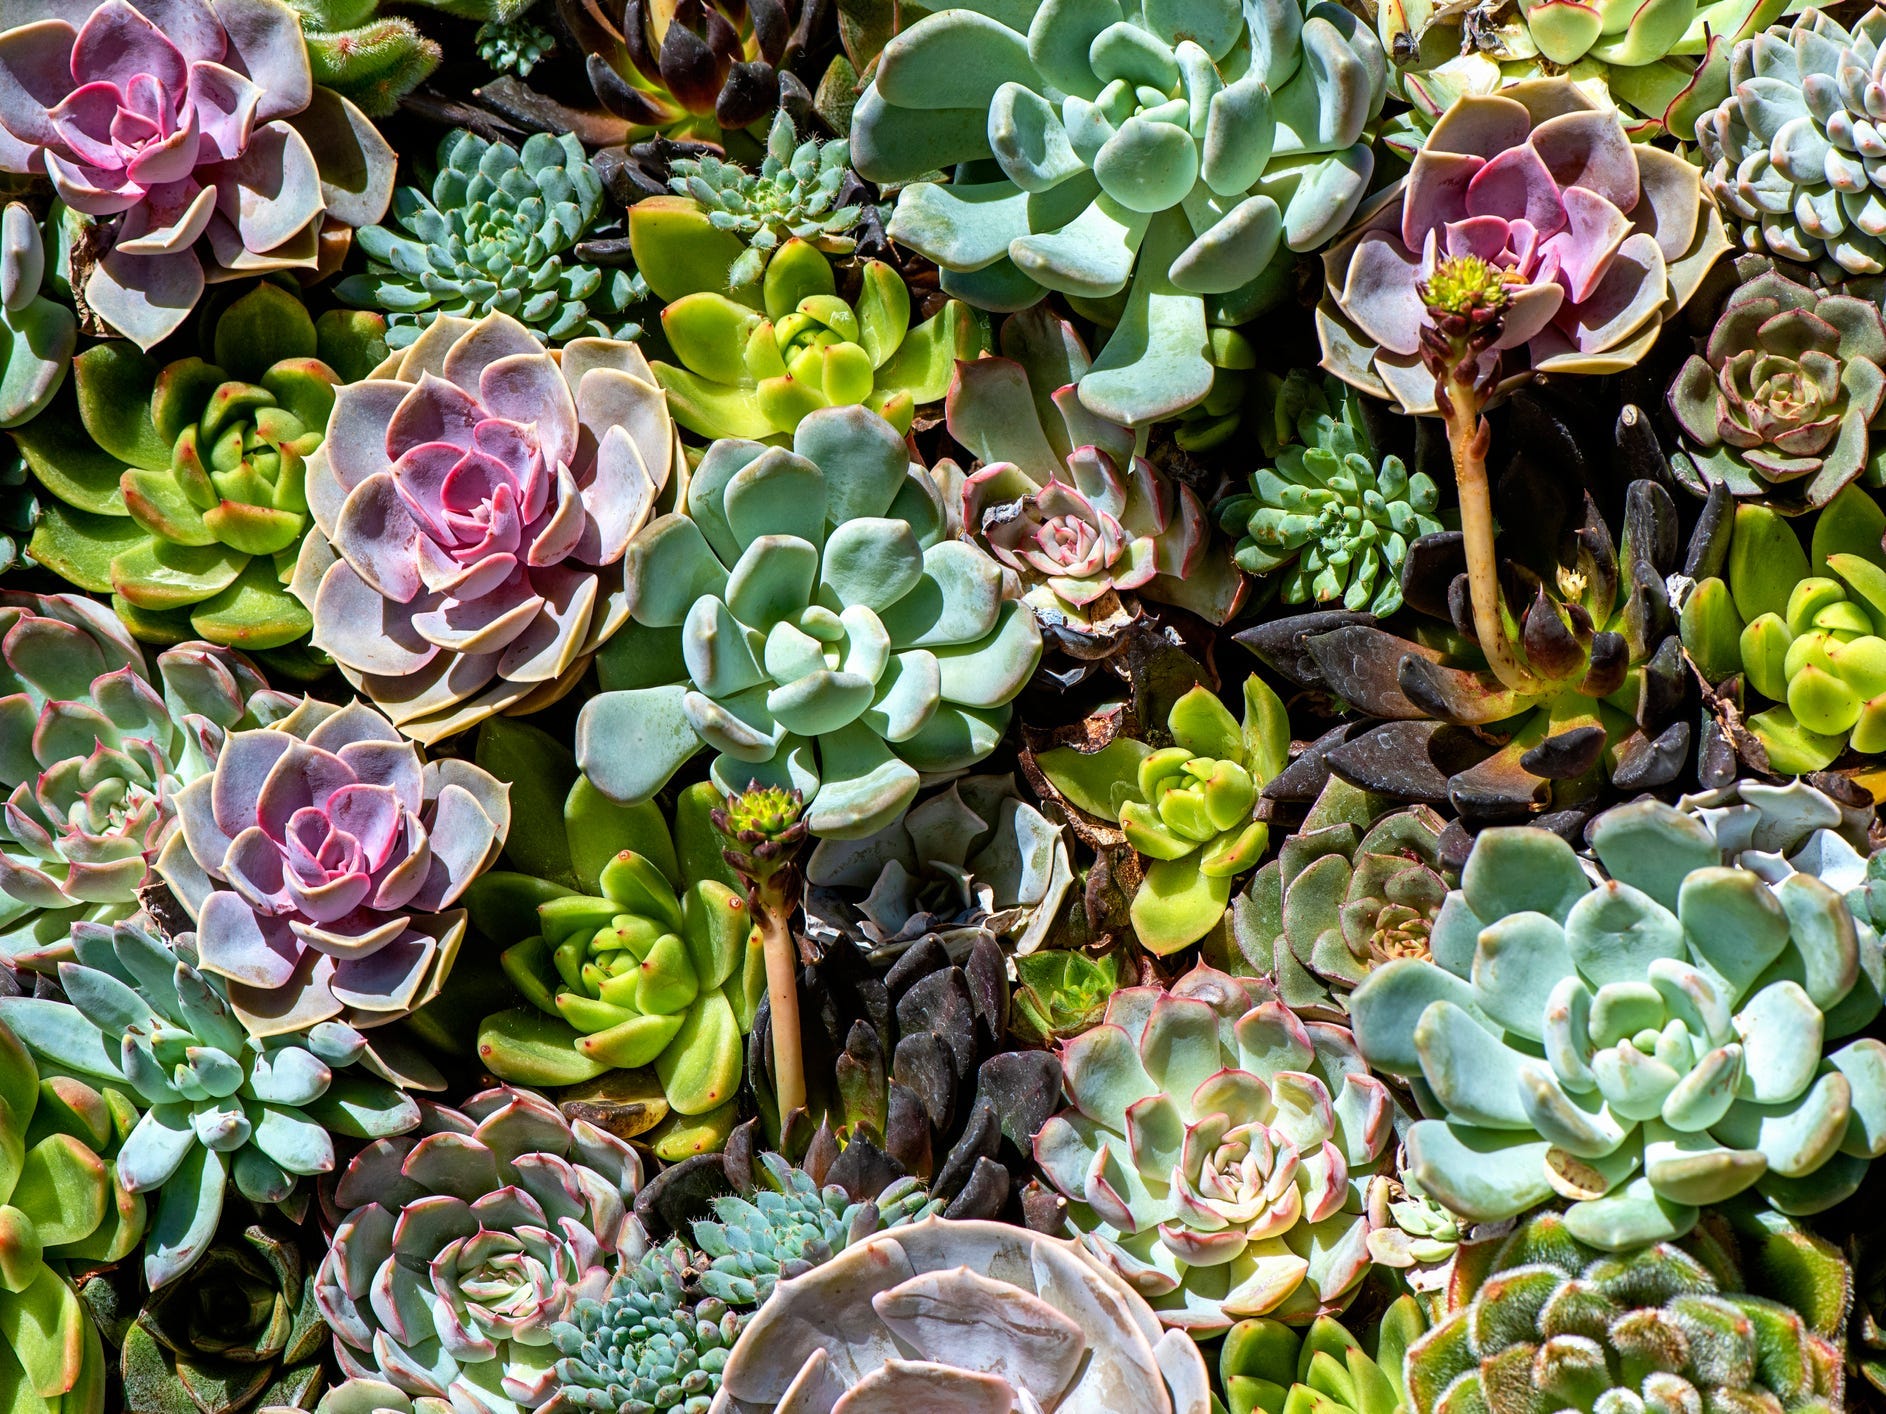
(765, 828)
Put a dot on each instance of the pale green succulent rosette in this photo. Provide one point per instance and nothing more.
(809, 618)
(1644, 1045)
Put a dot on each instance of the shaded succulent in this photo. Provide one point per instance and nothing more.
(1775, 830)
(809, 619)
(1119, 171)
(464, 1243)
(496, 235)
(1582, 296)
(1656, 1327)
(1060, 993)
(99, 745)
(1268, 1366)
(696, 69)
(243, 1332)
(62, 1205)
(974, 859)
(1779, 402)
(1356, 885)
(1645, 1046)
(193, 138)
(907, 1076)
(567, 455)
(19, 506)
(759, 373)
(321, 860)
(1072, 502)
(1411, 1232)
(795, 193)
(1218, 1151)
(1051, 1329)
(516, 46)
(790, 1224)
(222, 1107)
(1190, 808)
(372, 60)
(186, 499)
(1332, 518)
(37, 335)
(651, 1345)
(1814, 644)
(1607, 683)
(1779, 154)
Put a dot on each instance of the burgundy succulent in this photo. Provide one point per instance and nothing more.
(321, 861)
(472, 504)
(1597, 239)
(194, 129)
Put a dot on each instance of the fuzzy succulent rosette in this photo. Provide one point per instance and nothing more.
(472, 504)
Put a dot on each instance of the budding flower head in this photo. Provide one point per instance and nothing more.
(1463, 286)
(765, 822)
(1466, 299)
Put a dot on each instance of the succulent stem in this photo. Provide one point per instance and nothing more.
(782, 985)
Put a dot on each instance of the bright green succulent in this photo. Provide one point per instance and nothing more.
(1333, 517)
(788, 1226)
(222, 1107)
(184, 496)
(1159, 165)
(498, 234)
(1645, 1046)
(243, 1332)
(1270, 1368)
(62, 1203)
(651, 1345)
(794, 194)
(373, 60)
(1540, 1322)
(1190, 808)
(1060, 993)
(758, 373)
(810, 618)
(1356, 885)
(1805, 628)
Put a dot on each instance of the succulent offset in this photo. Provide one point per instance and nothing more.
(454, 579)
(463, 1244)
(322, 860)
(969, 1315)
(1190, 808)
(195, 138)
(222, 1108)
(1265, 1364)
(1172, 157)
(191, 502)
(1218, 1151)
(1779, 402)
(1332, 518)
(99, 748)
(809, 619)
(1593, 261)
(496, 235)
(1644, 1046)
(1657, 1327)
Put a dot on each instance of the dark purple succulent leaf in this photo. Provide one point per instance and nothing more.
(939, 1004)
(1429, 571)
(1597, 563)
(695, 55)
(922, 958)
(638, 38)
(1708, 549)
(1303, 779)
(1648, 763)
(984, 1195)
(985, 972)
(743, 1150)
(1498, 790)
(749, 94)
(1549, 638)
(1610, 661)
(1460, 607)
(621, 97)
(1024, 1087)
(681, 1193)
(1638, 452)
(772, 29)
(1362, 665)
(1395, 760)
(1651, 527)
(1282, 645)
(864, 1170)
(1043, 1209)
(981, 1139)
(817, 1148)
(1665, 692)
(1566, 756)
(923, 1065)
(907, 1135)
(861, 1074)
(1458, 695)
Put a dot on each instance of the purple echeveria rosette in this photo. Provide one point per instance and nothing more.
(322, 859)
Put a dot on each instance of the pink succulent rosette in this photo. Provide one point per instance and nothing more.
(472, 504)
(193, 132)
(321, 860)
(1601, 240)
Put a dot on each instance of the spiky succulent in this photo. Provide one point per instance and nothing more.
(962, 1315)
(1644, 1046)
(222, 1107)
(1267, 1366)
(794, 193)
(496, 236)
(464, 1244)
(790, 1225)
(1218, 1151)
(735, 642)
(1333, 517)
(653, 1345)
(1786, 154)
(371, 59)
(1542, 1322)
(322, 860)
(63, 1206)
(187, 499)
(98, 746)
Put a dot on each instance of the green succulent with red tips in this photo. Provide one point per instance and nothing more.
(181, 490)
